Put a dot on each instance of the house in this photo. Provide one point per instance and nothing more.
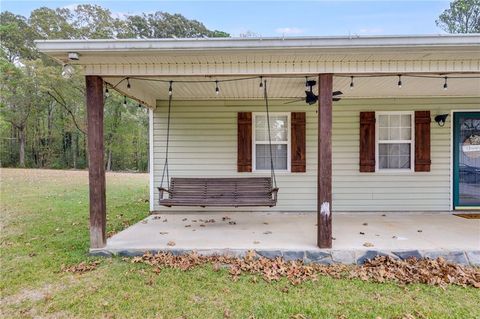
(404, 136)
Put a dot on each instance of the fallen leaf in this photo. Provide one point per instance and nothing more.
(171, 243)
(367, 244)
(226, 314)
(267, 232)
(163, 232)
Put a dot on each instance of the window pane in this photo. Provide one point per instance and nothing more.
(406, 133)
(394, 121)
(383, 133)
(394, 155)
(394, 133)
(261, 128)
(406, 120)
(395, 127)
(383, 120)
(279, 153)
(278, 128)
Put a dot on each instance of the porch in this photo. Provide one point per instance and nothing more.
(356, 236)
(223, 73)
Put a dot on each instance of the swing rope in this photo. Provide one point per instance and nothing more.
(272, 169)
(165, 172)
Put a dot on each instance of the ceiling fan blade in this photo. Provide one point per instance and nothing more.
(293, 101)
(335, 93)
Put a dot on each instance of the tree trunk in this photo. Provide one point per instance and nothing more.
(109, 160)
(21, 151)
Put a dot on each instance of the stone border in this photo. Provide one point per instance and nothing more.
(321, 256)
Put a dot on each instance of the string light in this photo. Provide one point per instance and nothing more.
(399, 81)
(445, 85)
(217, 90)
(170, 88)
(128, 84)
(261, 82)
(107, 94)
(351, 82)
(124, 100)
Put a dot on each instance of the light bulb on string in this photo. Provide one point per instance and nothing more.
(399, 81)
(351, 82)
(445, 85)
(217, 90)
(124, 100)
(170, 89)
(128, 84)
(107, 94)
(261, 82)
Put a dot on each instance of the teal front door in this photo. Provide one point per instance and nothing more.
(466, 160)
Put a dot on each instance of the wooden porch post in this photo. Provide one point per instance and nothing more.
(324, 174)
(96, 168)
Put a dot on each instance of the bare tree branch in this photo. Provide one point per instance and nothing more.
(61, 101)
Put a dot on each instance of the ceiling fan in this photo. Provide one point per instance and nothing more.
(310, 97)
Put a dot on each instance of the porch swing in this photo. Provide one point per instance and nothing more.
(219, 192)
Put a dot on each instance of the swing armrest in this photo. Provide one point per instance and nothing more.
(274, 192)
(161, 190)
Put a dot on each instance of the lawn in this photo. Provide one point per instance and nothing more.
(44, 225)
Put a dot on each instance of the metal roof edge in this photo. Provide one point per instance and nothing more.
(192, 44)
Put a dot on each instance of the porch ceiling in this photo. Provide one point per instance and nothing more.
(149, 89)
(223, 58)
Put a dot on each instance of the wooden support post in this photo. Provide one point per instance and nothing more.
(324, 174)
(96, 168)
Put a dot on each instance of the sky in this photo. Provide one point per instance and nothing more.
(279, 18)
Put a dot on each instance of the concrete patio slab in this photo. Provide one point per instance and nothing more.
(357, 236)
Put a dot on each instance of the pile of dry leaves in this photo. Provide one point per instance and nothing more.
(426, 271)
(381, 269)
(82, 267)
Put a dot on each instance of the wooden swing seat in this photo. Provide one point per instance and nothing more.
(220, 192)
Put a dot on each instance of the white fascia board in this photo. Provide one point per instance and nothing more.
(202, 44)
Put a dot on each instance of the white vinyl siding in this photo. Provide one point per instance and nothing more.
(203, 142)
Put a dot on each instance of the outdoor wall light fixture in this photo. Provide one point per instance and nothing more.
(73, 56)
(67, 71)
(441, 119)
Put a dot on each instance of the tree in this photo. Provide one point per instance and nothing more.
(42, 115)
(16, 37)
(164, 25)
(19, 93)
(463, 16)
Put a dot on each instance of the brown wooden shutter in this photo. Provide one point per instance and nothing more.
(422, 141)
(367, 141)
(299, 147)
(244, 142)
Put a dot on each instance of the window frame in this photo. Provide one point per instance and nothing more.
(378, 142)
(254, 142)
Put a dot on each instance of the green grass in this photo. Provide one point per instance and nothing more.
(44, 217)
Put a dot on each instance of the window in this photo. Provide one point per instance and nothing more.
(394, 140)
(280, 132)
